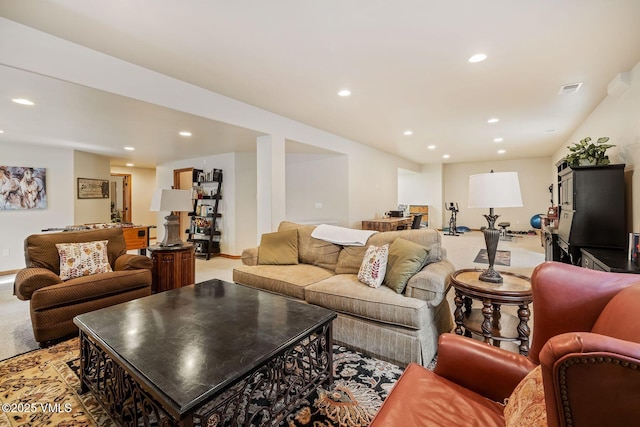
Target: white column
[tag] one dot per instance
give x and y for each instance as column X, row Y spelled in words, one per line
column 271, row 183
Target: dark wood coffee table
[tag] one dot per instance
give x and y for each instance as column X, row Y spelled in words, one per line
column 214, row 353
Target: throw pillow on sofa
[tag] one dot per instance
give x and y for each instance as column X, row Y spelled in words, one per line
column 405, row 259
column 278, row 248
column 374, row 266
column 83, row 259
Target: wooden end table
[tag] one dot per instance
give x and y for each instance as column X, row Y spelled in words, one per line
column 489, row 321
column 173, row 266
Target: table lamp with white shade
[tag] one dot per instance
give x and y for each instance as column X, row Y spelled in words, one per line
column 171, row 201
column 493, row 190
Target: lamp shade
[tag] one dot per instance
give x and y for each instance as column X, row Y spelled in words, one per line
column 494, row 190
column 171, row 201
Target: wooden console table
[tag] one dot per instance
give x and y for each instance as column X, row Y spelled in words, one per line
column 387, row 224
column 489, row 322
column 173, row 267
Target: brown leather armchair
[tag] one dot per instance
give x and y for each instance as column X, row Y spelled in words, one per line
column 54, row 302
column 586, row 336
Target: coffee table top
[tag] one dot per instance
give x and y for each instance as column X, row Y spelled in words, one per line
column 189, row 343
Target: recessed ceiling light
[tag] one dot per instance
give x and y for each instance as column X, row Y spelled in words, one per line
column 22, row 101
column 185, row 133
column 478, row 57
column 344, row 92
column 502, row 151
column 446, row 156
column 498, row 139
column 1, row 131
column 493, row 120
column 129, row 148
column 408, row 132
column 130, row 164
column 431, row 147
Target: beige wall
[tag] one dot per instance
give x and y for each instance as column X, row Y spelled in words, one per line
column 618, row 117
column 87, row 211
column 534, row 187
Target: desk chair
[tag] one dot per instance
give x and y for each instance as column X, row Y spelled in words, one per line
column 417, row 220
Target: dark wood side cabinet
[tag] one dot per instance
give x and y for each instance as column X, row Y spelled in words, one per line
column 173, row 267
column 611, row 260
column 592, row 199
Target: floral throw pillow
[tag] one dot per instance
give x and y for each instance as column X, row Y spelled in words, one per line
column 374, row 266
column 525, row 406
column 83, row 259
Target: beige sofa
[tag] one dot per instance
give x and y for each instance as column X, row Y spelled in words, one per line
column 400, row 328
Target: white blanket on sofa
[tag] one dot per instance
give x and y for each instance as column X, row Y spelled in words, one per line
column 341, row 235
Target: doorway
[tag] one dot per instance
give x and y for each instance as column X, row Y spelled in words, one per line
column 120, row 197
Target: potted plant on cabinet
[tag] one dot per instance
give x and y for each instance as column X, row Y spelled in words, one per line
column 587, row 153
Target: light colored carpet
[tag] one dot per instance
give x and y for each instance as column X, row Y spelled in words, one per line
column 16, row 336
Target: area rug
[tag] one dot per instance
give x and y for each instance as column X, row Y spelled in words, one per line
column 502, row 257
column 40, row 388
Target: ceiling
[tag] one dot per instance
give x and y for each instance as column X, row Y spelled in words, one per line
column 405, row 63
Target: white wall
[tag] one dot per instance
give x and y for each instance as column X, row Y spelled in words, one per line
column 87, row 211
column 246, row 203
column 618, row 117
column 16, row 225
column 226, row 224
column 534, row 187
column 423, row 188
column 143, row 182
column 317, row 180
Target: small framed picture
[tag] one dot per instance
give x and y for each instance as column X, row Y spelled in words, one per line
column 89, row 188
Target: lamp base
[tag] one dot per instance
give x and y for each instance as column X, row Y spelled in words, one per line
column 171, row 231
column 491, row 237
column 490, row 275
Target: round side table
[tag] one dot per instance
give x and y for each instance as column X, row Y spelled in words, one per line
column 489, row 321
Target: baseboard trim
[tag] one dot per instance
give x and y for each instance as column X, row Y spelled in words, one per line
column 230, row 256
column 8, row 272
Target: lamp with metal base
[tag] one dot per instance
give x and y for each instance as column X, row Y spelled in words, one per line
column 173, row 201
column 493, row 190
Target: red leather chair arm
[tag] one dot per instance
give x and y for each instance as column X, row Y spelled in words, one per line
column 29, row 280
column 133, row 262
column 591, row 379
column 487, row 370
column 568, row 298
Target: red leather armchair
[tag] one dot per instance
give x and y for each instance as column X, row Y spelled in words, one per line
column 586, row 337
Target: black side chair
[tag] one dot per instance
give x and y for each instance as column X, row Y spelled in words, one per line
column 417, row 220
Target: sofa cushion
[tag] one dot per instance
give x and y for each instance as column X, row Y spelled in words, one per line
column 351, row 256
column 405, row 259
column 311, row 250
column 374, row 266
column 290, row 280
column 83, row 259
column 88, row 288
column 346, row 294
column 526, row 405
column 279, row 248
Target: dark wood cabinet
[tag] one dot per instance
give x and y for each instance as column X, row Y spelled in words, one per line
column 592, row 202
column 611, row 260
column 173, row 267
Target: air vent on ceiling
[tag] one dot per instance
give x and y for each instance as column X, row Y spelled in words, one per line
column 570, row 88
